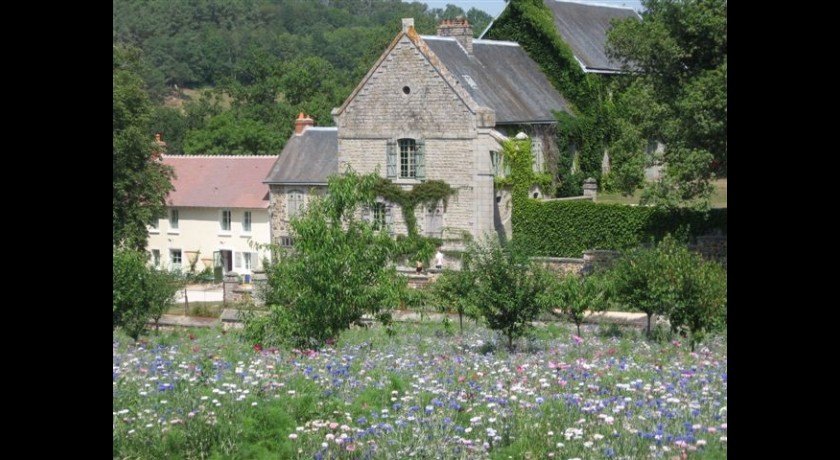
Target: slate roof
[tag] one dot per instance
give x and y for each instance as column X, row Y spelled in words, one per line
column 306, row 159
column 500, row 75
column 207, row 181
column 584, row 28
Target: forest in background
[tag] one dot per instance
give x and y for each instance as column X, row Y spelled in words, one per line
column 229, row 77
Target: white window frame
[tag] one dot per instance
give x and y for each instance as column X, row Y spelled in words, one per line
column 154, row 227
column 176, row 265
column 155, row 258
column 222, row 221
column 247, row 222
column 434, row 213
column 174, row 221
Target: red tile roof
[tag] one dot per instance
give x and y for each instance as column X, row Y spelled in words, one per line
column 219, row 181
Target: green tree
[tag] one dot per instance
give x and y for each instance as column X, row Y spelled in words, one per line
column 140, row 292
column 337, row 271
column 639, row 279
column 455, row 289
column 507, row 287
column 678, row 55
column 141, row 182
column 573, row 295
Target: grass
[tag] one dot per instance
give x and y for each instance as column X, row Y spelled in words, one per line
column 718, row 199
column 424, row 393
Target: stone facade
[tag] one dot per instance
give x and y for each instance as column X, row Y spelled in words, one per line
column 407, row 97
column 279, row 196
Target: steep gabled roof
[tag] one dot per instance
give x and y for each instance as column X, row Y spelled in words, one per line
column 206, row 181
column 500, row 75
column 584, row 28
column 307, row 159
column 409, row 32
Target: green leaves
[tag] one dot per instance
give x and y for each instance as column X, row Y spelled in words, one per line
column 337, row 271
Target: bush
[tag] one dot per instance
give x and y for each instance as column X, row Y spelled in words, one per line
column 573, row 295
column 671, row 280
column 337, row 272
column 140, row 293
column 506, row 287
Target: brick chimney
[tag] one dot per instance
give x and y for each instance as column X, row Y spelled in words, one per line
column 459, row 28
column 302, row 122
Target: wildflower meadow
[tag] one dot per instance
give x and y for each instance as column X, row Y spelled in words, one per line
column 423, row 392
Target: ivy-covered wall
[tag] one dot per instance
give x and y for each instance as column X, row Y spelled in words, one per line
column 566, row 228
column 591, row 127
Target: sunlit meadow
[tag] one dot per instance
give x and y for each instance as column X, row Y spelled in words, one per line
column 422, row 393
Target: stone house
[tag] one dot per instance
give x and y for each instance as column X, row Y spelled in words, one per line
column 216, row 216
column 430, row 108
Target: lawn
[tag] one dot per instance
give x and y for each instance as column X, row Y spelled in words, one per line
column 424, row 392
column 718, row 199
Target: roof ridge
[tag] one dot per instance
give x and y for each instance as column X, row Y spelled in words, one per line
column 221, row 156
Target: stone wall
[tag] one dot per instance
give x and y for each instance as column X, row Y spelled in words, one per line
column 235, row 293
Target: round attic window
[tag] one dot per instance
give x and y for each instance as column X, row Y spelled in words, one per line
column 406, row 90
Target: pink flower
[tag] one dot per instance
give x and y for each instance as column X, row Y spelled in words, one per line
column 333, row 425
column 351, row 447
column 577, row 339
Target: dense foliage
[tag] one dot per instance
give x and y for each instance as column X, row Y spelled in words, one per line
column 670, row 280
column 506, row 288
column 272, row 58
column 337, row 271
column 141, row 293
column 678, row 55
column 567, row 228
column 141, row 182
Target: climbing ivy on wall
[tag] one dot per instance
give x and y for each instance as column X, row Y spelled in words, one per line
column 562, row 228
column 591, row 126
column 428, row 193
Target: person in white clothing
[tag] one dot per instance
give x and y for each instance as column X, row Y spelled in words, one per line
column 439, row 259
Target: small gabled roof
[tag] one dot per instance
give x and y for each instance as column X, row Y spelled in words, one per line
column 307, row 159
column 584, row 28
column 500, row 75
column 223, row 181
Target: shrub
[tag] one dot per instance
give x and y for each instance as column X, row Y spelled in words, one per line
column 140, row 292
column 337, row 272
column 573, row 295
column 506, row 287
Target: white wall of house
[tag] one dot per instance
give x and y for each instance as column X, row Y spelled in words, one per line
column 200, row 229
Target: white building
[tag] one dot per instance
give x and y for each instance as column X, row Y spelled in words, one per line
column 217, row 214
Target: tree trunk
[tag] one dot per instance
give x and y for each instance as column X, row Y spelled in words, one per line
column 461, row 322
column 578, row 328
column 649, row 315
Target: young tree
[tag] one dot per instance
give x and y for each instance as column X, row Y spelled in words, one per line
column 455, row 288
column 141, row 183
column 140, row 292
column 507, row 287
column 678, row 53
column 639, row 280
column 337, row 271
column 574, row 295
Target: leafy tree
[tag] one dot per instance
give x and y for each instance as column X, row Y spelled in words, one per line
column 140, row 292
column 671, row 280
column 507, row 287
column 337, row 272
column 455, row 289
column 141, row 183
column 574, row 295
column 230, row 133
column 678, row 53
column 639, row 281
column 697, row 289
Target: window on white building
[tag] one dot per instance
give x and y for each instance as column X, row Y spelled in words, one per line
column 246, row 222
column 156, row 258
column 225, row 222
column 434, row 221
column 173, row 219
column 175, row 259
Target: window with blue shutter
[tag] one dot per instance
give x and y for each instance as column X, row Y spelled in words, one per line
column 391, row 154
column 420, row 159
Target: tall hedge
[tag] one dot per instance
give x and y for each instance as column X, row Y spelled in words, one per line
column 567, row 228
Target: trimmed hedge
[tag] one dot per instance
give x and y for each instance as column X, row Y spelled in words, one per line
column 567, row 228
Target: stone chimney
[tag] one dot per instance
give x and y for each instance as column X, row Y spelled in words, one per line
column 406, row 23
column 459, row 28
column 302, row 122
